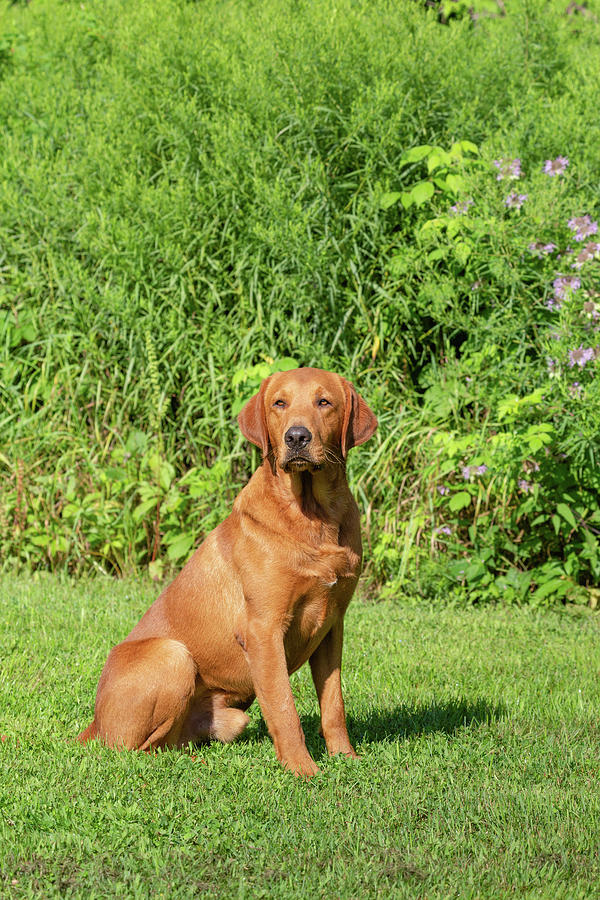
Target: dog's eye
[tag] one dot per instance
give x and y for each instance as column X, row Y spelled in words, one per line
column 323, row 402
column 280, row 404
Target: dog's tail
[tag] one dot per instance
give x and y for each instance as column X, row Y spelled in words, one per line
column 89, row 734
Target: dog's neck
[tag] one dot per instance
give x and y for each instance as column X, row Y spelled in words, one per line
column 321, row 495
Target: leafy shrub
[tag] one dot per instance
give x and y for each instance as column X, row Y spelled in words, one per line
column 191, row 192
column 510, row 462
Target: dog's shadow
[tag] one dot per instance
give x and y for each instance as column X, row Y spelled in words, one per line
column 403, row 721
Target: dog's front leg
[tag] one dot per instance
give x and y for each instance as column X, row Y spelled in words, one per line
column 325, row 665
column 268, row 666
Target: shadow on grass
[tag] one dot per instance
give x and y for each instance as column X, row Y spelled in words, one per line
column 402, row 721
column 405, row 721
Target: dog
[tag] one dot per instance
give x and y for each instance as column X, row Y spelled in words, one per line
column 266, row 591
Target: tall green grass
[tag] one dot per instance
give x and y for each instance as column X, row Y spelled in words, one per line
column 188, row 190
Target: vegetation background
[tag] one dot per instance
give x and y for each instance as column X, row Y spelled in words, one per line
column 195, row 194
column 191, row 196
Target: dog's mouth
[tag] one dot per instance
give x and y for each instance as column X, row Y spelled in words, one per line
column 300, row 463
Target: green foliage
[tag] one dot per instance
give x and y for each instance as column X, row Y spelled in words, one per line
column 510, row 463
column 195, row 194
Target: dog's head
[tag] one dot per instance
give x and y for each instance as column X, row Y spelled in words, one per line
column 306, row 419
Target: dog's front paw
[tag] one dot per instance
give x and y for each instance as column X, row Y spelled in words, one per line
column 302, row 767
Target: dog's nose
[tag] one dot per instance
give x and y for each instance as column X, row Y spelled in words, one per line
column 297, row 437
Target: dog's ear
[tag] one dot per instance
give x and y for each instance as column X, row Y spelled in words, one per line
column 359, row 421
column 253, row 421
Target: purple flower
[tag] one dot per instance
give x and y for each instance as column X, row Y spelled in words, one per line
column 556, row 166
column 554, row 304
column 551, row 363
column 575, row 389
column 580, row 356
column 590, row 251
column 539, row 249
column 442, row 489
column 462, row 207
column 469, row 471
column 590, row 309
column 515, row 201
column 443, row 529
column 583, row 227
column 508, row 168
column 564, row 284
column 525, row 486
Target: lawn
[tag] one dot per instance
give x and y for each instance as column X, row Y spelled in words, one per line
column 479, row 741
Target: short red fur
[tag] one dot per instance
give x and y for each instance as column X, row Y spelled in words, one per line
column 266, row 591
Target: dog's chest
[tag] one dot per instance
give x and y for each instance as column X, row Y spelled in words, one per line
column 322, row 601
column 311, row 620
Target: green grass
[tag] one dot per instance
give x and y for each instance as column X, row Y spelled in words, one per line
column 479, row 740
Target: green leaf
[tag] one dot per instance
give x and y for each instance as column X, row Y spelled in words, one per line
column 59, row 545
column 437, row 159
column 453, row 228
column 166, row 474
column 556, row 523
column 475, row 571
column 422, row 192
column 460, row 147
column 563, row 510
column 455, row 183
column 284, row 364
column 415, row 154
column 181, row 546
column 114, row 474
column 142, row 508
column 442, row 253
column 557, row 586
column 137, row 440
column 462, row 251
column 539, row 519
column 155, row 569
column 459, row 500
column 436, row 225
column 406, row 199
column 70, row 510
column 387, row 200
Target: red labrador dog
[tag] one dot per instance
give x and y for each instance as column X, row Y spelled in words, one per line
column 266, row 591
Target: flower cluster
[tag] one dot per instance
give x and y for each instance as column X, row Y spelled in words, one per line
column 590, row 251
column 461, row 207
column 591, row 310
column 508, row 168
column 469, row 471
column 583, row 227
column 515, row 201
column 581, row 356
column 564, row 286
column 556, row 166
column 537, row 248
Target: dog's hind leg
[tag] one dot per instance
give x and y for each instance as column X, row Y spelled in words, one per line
column 210, row 719
column 144, row 694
